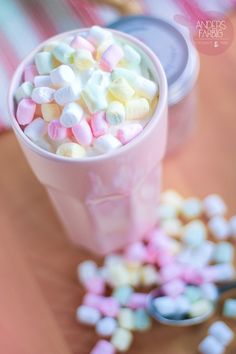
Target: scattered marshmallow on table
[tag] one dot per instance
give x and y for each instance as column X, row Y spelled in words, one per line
column 229, row 308
column 106, row 326
column 88, row 315
column 210, row 345
column 191, row 208
column 213, row 205
column 219, row 227
column 221, row 332
column 224, row 252
column 122, row 339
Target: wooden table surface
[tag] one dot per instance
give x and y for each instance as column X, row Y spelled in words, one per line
column 39, row 291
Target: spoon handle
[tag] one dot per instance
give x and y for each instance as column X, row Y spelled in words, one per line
column 229, row 286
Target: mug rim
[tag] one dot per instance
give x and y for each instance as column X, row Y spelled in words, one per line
column 156, row 116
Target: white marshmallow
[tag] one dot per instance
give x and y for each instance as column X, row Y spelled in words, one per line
column 42, row 95
column 210, row 345
column 42, row 81
column 24, row 91
column 115, row 113
column 87, row 315
column 72, row 114
column 191, row 208
column 131, row 55
column 101, row 78
column 219, row 227
column 97, row 35
column 86, row 270
column 68, row 93
column 194, row 233
column 221, row 332
column 166, row 211
column 172, row 198
column 210, row 291
column 182, row 305
column 106, row 326
column 62, row 75
column 165, row 305
column 106, row 143
column 36, row 129
column 214, row 205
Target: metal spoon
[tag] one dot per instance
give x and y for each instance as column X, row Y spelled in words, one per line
column 188, row 321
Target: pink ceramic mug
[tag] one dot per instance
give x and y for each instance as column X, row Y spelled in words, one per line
column 106, row 201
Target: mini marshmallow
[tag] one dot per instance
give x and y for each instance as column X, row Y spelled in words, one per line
column 42, row 81
column 126, row 319
column 87, row 315
column 136, row 252
column 213, row 205
column 210, row 345
column 203, row 254
column 232, row 226
column 113, row 259
column 224, row 252
column 122, row 339
column 191, row 208
column 106, row 326
column 43, row 95
column 149, row 275
column 121, row 89
column 115, row 113
column 182, row 305
column 166, row 211
column 173, row 227
column 103, row 347
column 62, row 75
column 171, row 197
column 137, row 108
column 221, row 332
column 134, row 274
column 123, row 294
column 219, row 272
column 97, row 35
column 193, row 293
column 200, row 308
column 24, row 91
column 99, row 124
column 50, row 111
column 72, row 115
column 171, row 271
column 111, row 57
column 56, row 131
column 82, row 133
column 137, row 301
column 194, row 233
column 219, row 227
column 109, row 307
column 71, row 150
column 142, row 321
column 86, row 270
column 92, row 300
column 30, row 72
column 210, row 291
column 100, row 78
column 165, row 305
column 63, row 52
column 25, row 111
column 95, row 285
column 173, row 288
column 80, row 42
column 118, row 275
column 94, row 98
column 106, row 143
column 229, row 308
column 36, row 129
column 128, row 132
column 131, row 55
column 68, row 94
column 83, row 59
column 44, row 63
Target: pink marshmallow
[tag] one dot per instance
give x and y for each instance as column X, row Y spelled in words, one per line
column 30, row 72
column 95, row 285
column 136, row 252
column 25, row 111
column 103, row 347
column 92, row 300
column 137, row 301
column 111, row 57
column 99, row 124
column 193, row 276
column 164, row 257
column 82, row 132
column 170, row 272
column 109, row 306
column 173, row 288
column 79, row 42
column 128, row 132
column 56, row 131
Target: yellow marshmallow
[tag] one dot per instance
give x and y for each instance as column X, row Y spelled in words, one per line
column 102, row 47
column 50, row 111
column 83, row 59
column 137, row 108
column 71, row 150
column 121, row 89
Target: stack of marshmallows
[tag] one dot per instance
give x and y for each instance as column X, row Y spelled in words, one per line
column 86, row 94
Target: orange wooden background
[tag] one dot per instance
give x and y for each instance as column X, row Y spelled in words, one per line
column 39, row 291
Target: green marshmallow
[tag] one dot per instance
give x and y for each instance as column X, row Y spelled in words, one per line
column 44, row 62
column 193, row 293
column 229, row 309
column 24, row 91
column 122, row 294
column 63, row 52
column 141, row 320
column 224, row 252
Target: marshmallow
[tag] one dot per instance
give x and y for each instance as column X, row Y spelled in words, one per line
column 25, row 111
column 87, row 315
column 72, row 115
column 103, row 347
column 82, row 133
column 36, row 129
column 97, row 35
column 165, row 305
column 126, row 319
column 121, row 89
column 92, row 300
column 213, row 205
column 63, row 52
column 42, row 80
column 131, row 55
column 173, row 288
column 118, row 274
column 111, row 57
column 136, row 252
column 210, row 345
column 94, row 98
column 68, row 94
column 109, row 307
column 138, row 301
column 115, row 113
column 101, row 78
column 194, row 233
column 128, row 132
column 221, row 332
column 210, row 291
column 229, row 309
column 71, row 150
column 62, row 75
column 106, row 143
column 43, row 95
column 106, row 326
column 219, row 272
column 101, row 48
column 166, row 211
column 137, row 108
column 122, row 339
column 56, row 131
column 200, row 308
column 142, row 321
column 50, row 111
column 30, row 72
column 219, row 227
column 99, row 124
column 172, row 198
column 191, row 208
column 24, row 91
column 44, row 63
column 80, row 42
column 224, row 252
column 173, row 227
column 95, row 285
column 83, row 59
column 123, row 294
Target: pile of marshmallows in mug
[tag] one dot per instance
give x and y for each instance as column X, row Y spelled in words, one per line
column 86, row 95
column 178, row 258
